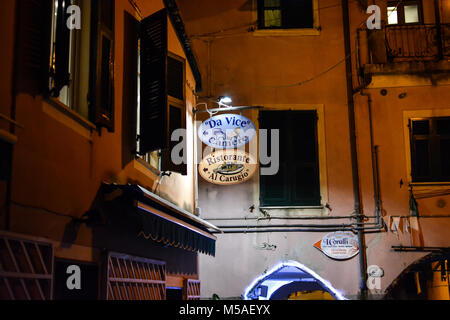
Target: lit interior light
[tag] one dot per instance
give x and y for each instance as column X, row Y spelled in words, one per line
column 298, row 265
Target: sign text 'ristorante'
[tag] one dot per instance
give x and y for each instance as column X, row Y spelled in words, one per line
column 228, row 167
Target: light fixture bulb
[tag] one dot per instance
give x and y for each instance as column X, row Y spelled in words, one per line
column 225, row 100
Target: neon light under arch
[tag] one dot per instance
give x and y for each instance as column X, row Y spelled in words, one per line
column 302, row 267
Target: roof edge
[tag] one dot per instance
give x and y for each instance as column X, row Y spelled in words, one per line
column 180, row 30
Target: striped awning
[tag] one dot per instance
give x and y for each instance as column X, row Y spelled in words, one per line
column 163, row 222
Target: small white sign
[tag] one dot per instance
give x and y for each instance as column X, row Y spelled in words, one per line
column 339, row 245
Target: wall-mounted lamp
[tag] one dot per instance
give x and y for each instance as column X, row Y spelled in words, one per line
column 225, row 100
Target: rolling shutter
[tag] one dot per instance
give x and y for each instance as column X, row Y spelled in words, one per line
column 154, row 107
column 33, row 46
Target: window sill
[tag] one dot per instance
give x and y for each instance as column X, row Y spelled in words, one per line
column 68, row 117
column 429, row 184
column 292, row 207
column 145, row 167
column 287, row 32
column 297, row 211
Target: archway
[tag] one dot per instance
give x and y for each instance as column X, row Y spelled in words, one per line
column 426, row 279
column 291, row 280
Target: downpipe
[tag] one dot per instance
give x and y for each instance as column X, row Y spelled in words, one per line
column 353, row 149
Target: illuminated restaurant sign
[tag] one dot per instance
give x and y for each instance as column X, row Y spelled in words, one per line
column 227, row 167
column 339, row 245
column 227, row 131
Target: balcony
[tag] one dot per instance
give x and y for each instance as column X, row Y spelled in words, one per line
column 420, row 51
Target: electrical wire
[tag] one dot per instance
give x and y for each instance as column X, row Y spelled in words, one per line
column 332, row 67
column 315, row 77
column 252, row 24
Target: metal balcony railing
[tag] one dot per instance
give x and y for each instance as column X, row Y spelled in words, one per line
column 405, row 43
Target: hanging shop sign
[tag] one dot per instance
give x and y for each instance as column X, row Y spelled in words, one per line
column 227, row 131
column 228, row 167
column 339, row 245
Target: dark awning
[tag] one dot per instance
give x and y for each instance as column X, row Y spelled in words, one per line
column 161, row 221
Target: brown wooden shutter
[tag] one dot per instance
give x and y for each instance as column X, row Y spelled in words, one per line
column 130, row 76
column 154, row 107
column 34, row 21
column 26, row 268
column 177, row 120
column 102, row 89
column 60, row 74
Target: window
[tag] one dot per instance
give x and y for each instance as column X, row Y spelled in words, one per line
column 404, row 12
column 430, row 149
column 297, row 182
column 82, row 60
column 154, row 93
column 285, row 14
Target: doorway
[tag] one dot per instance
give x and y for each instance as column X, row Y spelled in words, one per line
column 291, row 281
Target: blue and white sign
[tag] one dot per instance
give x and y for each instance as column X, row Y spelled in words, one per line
column 227, row 131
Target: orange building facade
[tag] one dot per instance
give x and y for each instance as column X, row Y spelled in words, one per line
column 78, row 157
column 263, row 55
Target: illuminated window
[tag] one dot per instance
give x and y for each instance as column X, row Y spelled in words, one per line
column 285, row 14
column 82, row 60
column 392, row 15
column 404, row 12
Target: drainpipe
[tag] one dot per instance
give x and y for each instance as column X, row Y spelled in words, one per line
column 439, row 29
column 353, row 149
column 374, row 153
column 13, row 123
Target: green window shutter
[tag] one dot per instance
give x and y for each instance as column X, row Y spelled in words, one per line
column 304, row 159
column 297, row 182
column 275, row 189
column 130, row 87
column 421, row 162
column 60, row 73
column 102, row 79
column 153, row 91
column 33, row 46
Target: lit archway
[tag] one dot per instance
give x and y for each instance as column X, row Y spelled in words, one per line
column 291, row 280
